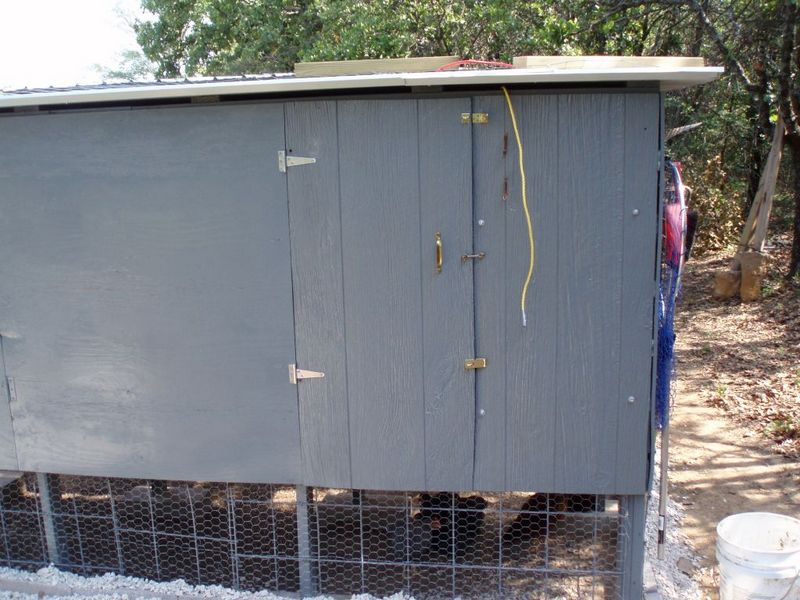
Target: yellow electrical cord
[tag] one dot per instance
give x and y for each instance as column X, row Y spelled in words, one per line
column 531, row 240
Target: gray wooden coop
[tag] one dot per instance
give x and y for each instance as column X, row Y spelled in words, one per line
column 182, row 261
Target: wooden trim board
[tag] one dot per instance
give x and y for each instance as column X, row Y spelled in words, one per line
column 371, row 66
column 605, row 62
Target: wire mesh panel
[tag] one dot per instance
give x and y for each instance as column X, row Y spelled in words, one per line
column 328, row 541
column 24, row 543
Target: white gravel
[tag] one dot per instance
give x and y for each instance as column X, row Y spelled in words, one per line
column 53, row 584
column 672, row 583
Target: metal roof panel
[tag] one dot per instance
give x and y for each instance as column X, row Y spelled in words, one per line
column 671, row 78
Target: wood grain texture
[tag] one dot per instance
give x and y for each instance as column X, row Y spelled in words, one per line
column 489, row 171
column 371, row 65
column 316, row 239
column 657, row 277
column 531, row 382
column 378, row 158
column 591, row 154
column 8, row 446
column 445, row 183
column 147, row 316
column 639, row 289
column 146, row 304
column 607, row 62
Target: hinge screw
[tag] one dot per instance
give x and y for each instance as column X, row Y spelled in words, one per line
column 635, row 212
column 631, row 399
column 482, row 412
column 481, row 222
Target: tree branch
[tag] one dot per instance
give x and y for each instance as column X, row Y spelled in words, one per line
column 788, row 101
column 727, row 54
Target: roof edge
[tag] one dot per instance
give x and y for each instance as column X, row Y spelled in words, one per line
column 669, row 79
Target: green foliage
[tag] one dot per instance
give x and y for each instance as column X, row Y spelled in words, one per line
column 718, row 198
column 188, row 37
column 785, row 429
column 467, row 28
column 714, row 158
column 208, row 37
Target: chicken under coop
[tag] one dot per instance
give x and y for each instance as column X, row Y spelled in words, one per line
column 359, row 541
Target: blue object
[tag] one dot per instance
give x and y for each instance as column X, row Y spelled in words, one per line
column 669, row 286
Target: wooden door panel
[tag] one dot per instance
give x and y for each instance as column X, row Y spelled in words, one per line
column 372, row 311
column 557, row 416
column 147, row 303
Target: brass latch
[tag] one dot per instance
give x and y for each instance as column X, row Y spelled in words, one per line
column 479, row 118
column 475, row 363
column 296, row 374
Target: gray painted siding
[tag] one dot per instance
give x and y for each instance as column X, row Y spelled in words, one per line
column 445, row 184
column 390, row 333
column 557, row 417
column 489, row 171
column 379, row 175
column 8, row 445
column 589, row 290
column 531, row 375
column 316, row 240
column 638, row 289
column 148, row 316
column 146, row 303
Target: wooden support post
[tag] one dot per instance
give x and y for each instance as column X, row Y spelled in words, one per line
column 766, row 188
column 752, row 276
column 663, row 489
column 46, row 504
column 633, row 560
column 733, row 280
column 727, row 282
column 304, row 500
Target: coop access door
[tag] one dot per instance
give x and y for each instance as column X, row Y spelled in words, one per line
column 565, row 400
column 146, row 307
column 383, row 300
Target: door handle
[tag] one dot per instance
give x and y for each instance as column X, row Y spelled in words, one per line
column 439, row 252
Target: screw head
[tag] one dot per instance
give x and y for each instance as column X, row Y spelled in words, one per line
column 635, row 212
column 482, row 412
column 481, row 222
column 631, row 399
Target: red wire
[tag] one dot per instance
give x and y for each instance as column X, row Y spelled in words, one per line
column 486, row 63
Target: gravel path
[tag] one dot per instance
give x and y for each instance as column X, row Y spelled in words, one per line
column 53, row 584
column 672, row 580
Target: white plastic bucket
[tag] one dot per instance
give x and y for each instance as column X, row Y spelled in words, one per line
column 759, row 557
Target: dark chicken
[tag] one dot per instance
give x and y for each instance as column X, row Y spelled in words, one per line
column 541, row 512
column 445, row 523
column 533, row 519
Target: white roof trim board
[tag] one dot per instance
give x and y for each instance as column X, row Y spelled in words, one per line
column 669, row 78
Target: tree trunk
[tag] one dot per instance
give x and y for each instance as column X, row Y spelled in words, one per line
column 759, row 112
column 794, row 261
column 789, row 103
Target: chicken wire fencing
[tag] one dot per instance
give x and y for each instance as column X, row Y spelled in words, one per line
column 311, row 541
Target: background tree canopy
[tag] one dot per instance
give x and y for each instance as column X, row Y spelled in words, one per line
column 754, row 39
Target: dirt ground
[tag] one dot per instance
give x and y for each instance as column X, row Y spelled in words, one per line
column 735, row 423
